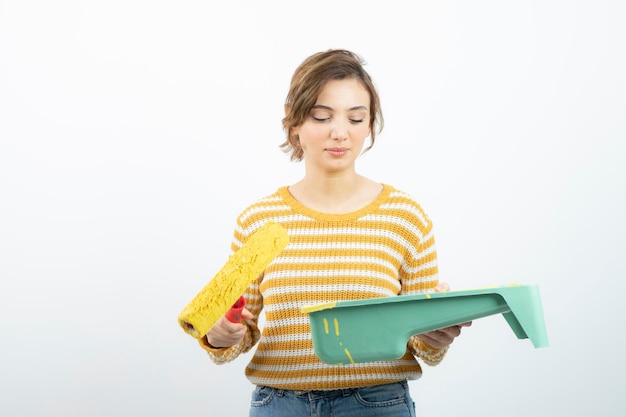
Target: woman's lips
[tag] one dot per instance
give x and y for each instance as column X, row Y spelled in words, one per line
column 337, row 151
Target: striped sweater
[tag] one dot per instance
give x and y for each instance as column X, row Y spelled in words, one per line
column 384, row 249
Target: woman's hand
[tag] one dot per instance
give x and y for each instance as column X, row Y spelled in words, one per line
column 225, row 333
column 442, row 338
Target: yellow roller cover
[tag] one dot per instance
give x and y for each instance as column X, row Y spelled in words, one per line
column 241, row 269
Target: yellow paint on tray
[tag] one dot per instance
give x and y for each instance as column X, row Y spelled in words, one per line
column 336, row 326
column 348, row 355
column 318, row 307
column 325, row 325
column 241, row 269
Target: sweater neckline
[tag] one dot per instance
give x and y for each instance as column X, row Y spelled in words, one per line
column 288, row 198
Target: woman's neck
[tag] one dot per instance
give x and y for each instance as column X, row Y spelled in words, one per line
column 336, row 195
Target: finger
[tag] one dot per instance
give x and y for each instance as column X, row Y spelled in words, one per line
column 224, row 327
column 226, row 333
column 430, row 340
column 436, row 339
column 442, row 287
column 246, row 315
column 447, row 334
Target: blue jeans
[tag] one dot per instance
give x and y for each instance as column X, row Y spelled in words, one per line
column 389, row 400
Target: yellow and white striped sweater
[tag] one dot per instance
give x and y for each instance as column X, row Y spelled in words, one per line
column 384, row 249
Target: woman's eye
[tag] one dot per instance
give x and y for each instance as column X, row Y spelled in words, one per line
column 356, row 120
column 320, row 119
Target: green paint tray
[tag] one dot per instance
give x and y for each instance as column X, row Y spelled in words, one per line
column 378, row 329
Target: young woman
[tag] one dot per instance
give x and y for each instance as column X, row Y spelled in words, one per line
column 350, row 238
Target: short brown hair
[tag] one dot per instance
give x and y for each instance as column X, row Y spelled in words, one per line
column 307, row 82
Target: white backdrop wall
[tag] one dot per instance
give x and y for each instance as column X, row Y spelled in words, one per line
column 133, row 132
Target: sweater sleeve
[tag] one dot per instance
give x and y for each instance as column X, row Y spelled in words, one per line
column 425, row 352
column 419, row 275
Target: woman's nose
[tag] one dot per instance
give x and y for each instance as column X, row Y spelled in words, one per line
column 339, row 131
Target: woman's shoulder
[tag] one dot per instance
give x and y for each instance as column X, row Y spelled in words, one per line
column 401, row 196
column 263, row 208
column 403, row 204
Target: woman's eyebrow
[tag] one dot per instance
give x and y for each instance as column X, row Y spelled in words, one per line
column 324, row 107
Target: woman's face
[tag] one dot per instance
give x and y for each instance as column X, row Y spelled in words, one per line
column 333, row 134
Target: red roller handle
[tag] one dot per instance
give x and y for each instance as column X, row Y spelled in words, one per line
column 234, row 313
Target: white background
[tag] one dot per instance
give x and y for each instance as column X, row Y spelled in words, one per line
column 133, row 132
